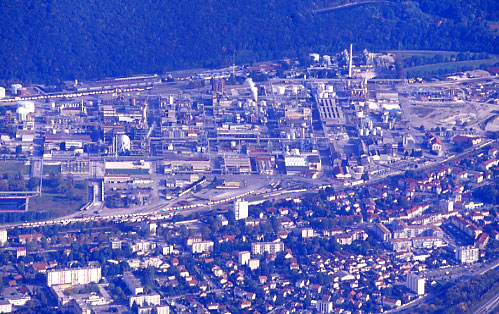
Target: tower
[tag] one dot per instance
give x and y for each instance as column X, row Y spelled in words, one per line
column 350, row 62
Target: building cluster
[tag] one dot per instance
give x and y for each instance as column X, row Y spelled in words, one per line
column 320, row 195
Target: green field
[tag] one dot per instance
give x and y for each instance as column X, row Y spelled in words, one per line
column 14, row 167
column 48, row 169
column 452, row 65
column 421, row 53
column 58, row 204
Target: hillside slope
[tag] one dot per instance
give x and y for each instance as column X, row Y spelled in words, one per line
column 52, row 40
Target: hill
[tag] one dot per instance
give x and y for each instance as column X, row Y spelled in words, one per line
column 52, row 40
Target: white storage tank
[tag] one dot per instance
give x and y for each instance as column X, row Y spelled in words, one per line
column 122, row 143
column 2, row 92
column 22, row 114
column 280, row 89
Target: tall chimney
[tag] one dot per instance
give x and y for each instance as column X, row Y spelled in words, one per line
column 350, row 62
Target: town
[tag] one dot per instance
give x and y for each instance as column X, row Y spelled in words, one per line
column 322, row 185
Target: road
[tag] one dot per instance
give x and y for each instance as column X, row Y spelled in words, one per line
column 348, row 5
column 164, row 210
column 489, row 306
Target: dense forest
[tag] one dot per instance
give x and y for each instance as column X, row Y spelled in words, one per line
column 47, row 41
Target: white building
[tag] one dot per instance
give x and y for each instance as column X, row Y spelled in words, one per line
column 133, row 283
column 447, row 205
column 15, row 89
column 5, row 306
column 145, row 299
column 324, row 306
column 254, row 263
column 240, row 209
column 244, row 257
column 307, row 233
column 269, row 247
column 160, row 309
column 203, row 246
column 467, row 254
column 415, row 283
column 74, row 276
column 2, row 92
column 3, row 236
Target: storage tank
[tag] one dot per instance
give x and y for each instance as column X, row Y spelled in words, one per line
column 122, row 143
column 2, row 92
column 22, row 114
column 281, row 89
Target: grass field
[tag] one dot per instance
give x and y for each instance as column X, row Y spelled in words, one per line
column 454, row 65
column 57, row 204
column 13, row 167
column 48, row 169
column 421, row 53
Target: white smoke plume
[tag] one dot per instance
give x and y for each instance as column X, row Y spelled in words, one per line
column 150, row 131
column 253, row 88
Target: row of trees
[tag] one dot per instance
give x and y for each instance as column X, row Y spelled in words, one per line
column 439, row 58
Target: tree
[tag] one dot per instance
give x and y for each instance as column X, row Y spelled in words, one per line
column 33, row 183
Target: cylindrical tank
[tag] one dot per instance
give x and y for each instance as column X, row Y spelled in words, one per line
column 22, row 114
column 281, row 89
column 122, row 143
column 2, row 92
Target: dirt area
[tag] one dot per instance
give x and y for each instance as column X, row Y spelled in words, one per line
column 463, row 114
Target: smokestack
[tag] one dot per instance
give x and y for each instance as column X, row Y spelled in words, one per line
column 253, row 88
column 350, row 62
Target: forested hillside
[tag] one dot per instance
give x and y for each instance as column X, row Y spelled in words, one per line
column 51, row 40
